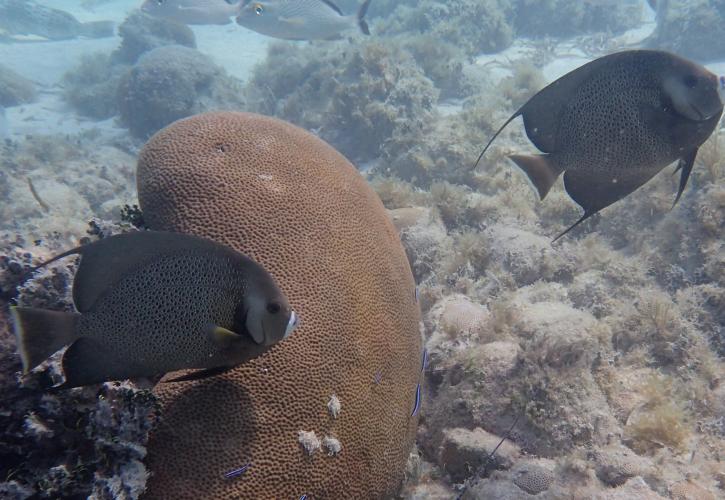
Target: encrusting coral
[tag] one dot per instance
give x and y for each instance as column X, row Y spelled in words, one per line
column 294, row 204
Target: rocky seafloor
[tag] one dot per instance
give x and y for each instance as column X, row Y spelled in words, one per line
column 599, row 359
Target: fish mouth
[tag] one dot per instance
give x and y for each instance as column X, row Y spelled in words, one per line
column 291, row 325
column 699, row 113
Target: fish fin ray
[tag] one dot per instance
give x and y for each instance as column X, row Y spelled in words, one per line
column 333, row 6
column 582, row 219
column 685, row 165
column 362, row 11
column 541, row 170
column 41, row 333
column 200, row 374
column 511, row 118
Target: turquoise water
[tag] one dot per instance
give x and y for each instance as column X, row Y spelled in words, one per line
column 587, row 368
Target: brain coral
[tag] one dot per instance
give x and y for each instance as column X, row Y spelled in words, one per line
column 294, row 204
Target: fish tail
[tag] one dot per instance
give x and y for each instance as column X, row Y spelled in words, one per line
column 361, row 17
column 541, row 170
column 40, row 333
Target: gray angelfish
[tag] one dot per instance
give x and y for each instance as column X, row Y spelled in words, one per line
column 300, row 19
column 153, row 302
column 614, row 123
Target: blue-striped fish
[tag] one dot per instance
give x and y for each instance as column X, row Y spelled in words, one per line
column 416, row 407
column 237, row 472
column 300, row 19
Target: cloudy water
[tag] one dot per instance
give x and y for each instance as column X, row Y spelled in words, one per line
column 398, row 249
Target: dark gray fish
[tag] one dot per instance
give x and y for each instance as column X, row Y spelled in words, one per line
column 26, row 20
column 300, row 19
column 614, row 123
column 153, row 302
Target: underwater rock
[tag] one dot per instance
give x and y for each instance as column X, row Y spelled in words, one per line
column 526, row 256
column 14, row 89
column 532, row 477
column 369, row 97
column 92, row 86
column 288, row 200
column 458, row 317
column 170, row 83
column 141, row 33
column 633, row 488
column 464, row 451
column 472, row 25
column 26, row 20
column 690, row 490
column 615, row 465
column 694, row 29
column 564, row 18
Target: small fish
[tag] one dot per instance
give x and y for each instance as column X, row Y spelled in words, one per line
column 378, row 377
column 152, row 302
column 193, row 11
column 303, row 497
column 300, row 19
column 424, row 364
column 237, row 472
column 416, row 407
column 417, row 295
column 614, row 123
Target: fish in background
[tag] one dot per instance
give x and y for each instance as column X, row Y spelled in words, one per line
column 301, row 19
column 614, row 123
column 193, row 11
column 25, row 20
column 4, row 127
column 152, row 302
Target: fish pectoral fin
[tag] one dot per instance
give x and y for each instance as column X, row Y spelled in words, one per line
column 685, row 166
column 540, row 169
column 222, row 336
column 292, row 21
column 200, row 374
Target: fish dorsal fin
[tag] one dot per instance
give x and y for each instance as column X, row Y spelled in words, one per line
column 542, row 113
column 105, row 262
column 332, row 6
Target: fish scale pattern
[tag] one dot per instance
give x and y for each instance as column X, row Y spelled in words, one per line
column 187, row 293
column 295, row 205
column 610, row 103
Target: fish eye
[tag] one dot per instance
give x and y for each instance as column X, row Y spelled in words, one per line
column 273, row 308
column 258, row 9
column 690, row 81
